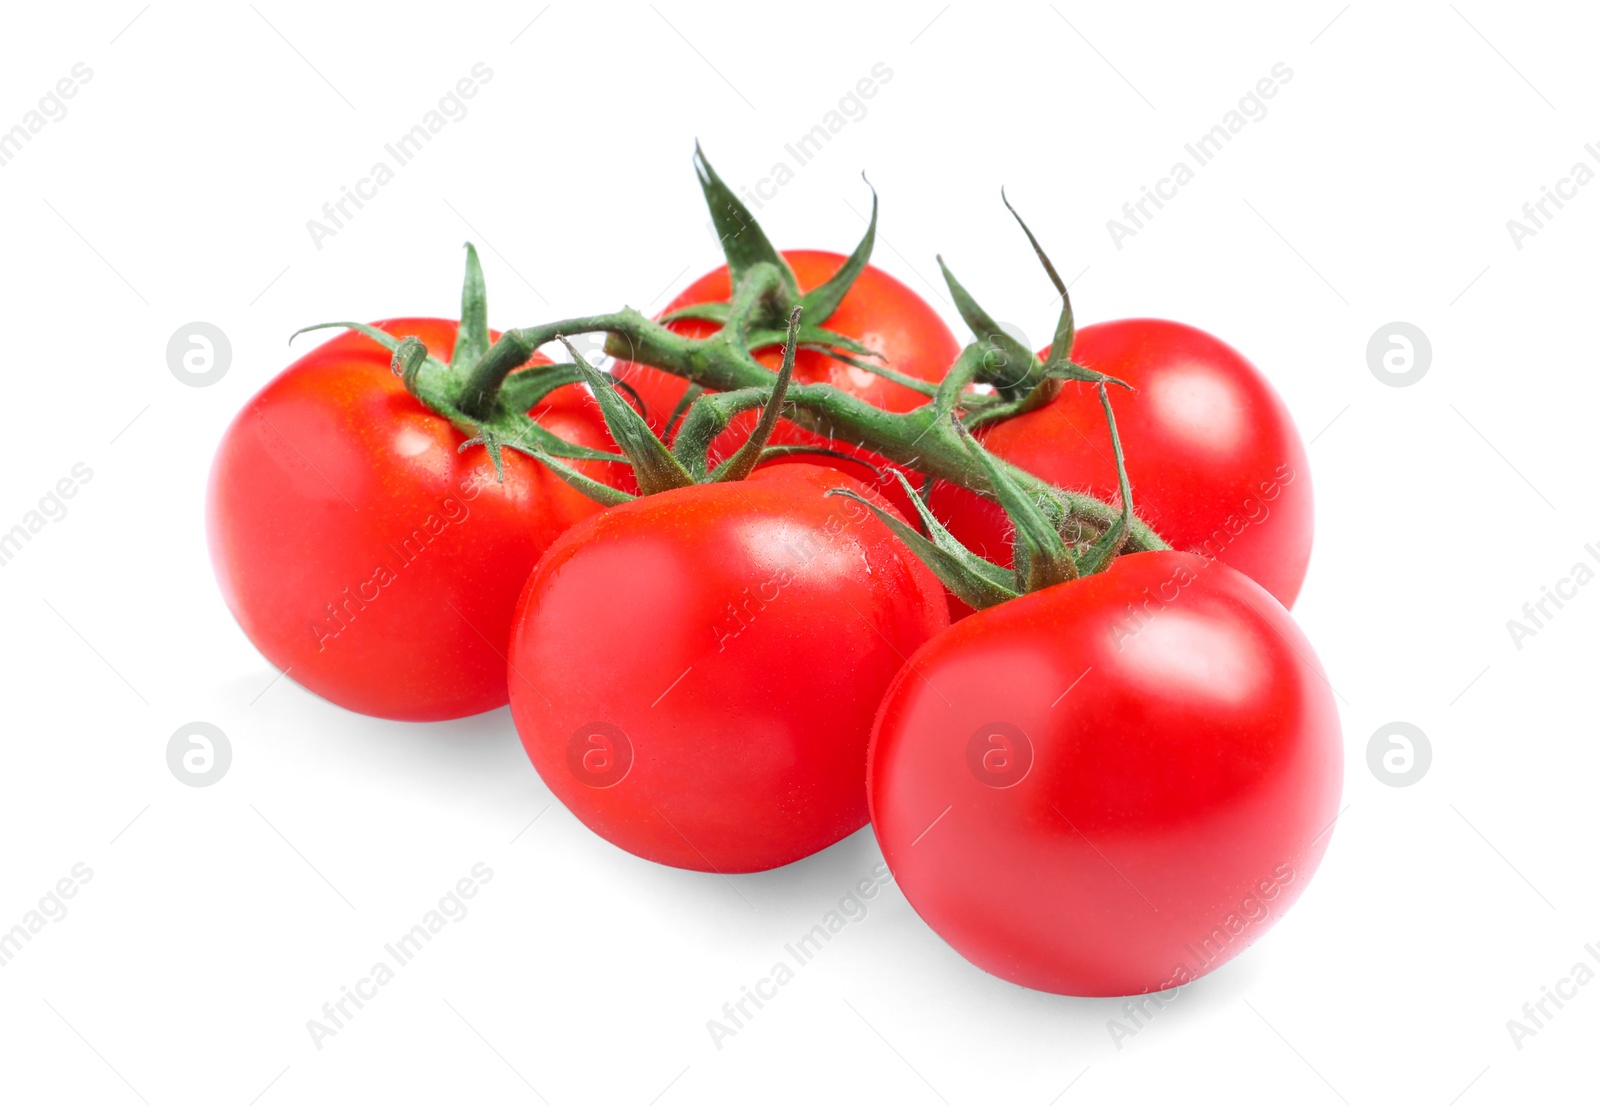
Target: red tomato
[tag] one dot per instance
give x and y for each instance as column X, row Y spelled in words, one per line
column 361, row 553
column 878, row 310
column 1111, row 786
column 694, row 674
column 1215, row 463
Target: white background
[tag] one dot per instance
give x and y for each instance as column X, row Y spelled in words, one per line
column 220, row 920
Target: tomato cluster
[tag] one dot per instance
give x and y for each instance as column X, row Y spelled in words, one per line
column 1103, row 763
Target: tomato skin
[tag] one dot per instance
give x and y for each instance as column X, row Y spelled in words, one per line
column 1182, row 752
column 695, row 674
column 878, row 310
column 1213, row 457
column 361, row 553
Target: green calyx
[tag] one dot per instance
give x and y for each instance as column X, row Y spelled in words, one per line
column 658, row 467
column 448, row 387
column 1041, row 558
column 746, row 246
column 976, row 581
column 743, row 241
column 1022, row 382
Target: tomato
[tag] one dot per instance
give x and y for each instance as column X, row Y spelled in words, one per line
column 694, row 674
column 361, row 553
column 878, row 310
column 1110, row 786
column 1214, row 459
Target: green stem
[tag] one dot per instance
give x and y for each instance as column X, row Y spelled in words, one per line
column 480, row 394
column 923, row 439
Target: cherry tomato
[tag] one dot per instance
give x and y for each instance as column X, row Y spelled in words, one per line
column 878, row 310
column 1214, row 459
column 694, row 674
column 1111, row 786
column 361, row 553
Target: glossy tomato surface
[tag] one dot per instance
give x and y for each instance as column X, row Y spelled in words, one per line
column 1214, row 460
column 366, row 557
column 695, row 674
column 1112, row 786
column 878, row 310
